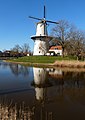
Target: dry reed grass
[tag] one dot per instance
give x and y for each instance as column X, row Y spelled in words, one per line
column 70, row 64
column 12, row 113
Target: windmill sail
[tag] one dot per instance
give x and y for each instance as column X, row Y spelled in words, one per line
column 44, row 13
column 43, row 20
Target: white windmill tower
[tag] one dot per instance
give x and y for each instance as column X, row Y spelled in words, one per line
column 41, row 38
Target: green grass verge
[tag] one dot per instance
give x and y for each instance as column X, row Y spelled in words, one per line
column 41, row 59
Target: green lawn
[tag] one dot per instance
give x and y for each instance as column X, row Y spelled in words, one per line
column 41, row 59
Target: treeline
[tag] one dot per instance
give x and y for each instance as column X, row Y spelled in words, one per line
column 70, row 37
column 17, row 51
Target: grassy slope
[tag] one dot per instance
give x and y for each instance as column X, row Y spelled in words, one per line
column 41, row 59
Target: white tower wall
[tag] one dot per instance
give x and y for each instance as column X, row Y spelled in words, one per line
column 41, row 29
column 41, row 44
column 40, row 47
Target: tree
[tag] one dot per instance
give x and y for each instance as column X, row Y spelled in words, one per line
column 15, row 51
column 61, row 33
column 25, row 48
column 71, row 39
column 17, row 48
column 76, row 42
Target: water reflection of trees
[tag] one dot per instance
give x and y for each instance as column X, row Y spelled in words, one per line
column 49, row 82
column 69, row 79
column 3, row 64
column 58, row 77
column 19, row 69
column 16, row 69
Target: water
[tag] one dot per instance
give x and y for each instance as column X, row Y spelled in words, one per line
column 30, row 93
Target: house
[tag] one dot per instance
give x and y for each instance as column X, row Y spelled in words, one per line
column 0, row 53
column 55, row 50
column 6, row 53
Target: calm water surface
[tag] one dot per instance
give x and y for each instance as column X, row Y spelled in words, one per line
column 30, row 93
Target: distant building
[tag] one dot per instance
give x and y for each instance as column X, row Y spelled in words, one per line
column 0, row 53
column 6, row 53
column 55, row 50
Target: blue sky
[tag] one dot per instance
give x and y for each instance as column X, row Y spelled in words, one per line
column 16, row 27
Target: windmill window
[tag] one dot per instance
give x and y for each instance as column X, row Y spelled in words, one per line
column 39, row 51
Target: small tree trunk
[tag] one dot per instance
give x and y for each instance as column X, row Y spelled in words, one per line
column 63, row 51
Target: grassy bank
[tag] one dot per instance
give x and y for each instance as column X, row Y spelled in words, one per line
column 41, row 59
column 49, row 61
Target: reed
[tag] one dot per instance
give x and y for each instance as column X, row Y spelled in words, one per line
column 70, row 64
column 15, row 113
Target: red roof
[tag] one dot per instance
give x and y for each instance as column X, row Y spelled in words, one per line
column 55, row 47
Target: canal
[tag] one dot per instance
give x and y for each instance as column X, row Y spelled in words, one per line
column 32, row 93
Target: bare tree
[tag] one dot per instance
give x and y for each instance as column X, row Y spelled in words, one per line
column 76, row 43
column 71, row 39
column 25, row 48
column 15, row 51
column 16, row 48
column 61, row 32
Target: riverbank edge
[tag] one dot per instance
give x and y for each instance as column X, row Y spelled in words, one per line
column 61, row 64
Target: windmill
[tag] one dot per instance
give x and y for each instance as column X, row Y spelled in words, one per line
column 41, row 38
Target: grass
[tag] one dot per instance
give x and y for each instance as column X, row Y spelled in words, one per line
column 55, row 61
column 41, row 59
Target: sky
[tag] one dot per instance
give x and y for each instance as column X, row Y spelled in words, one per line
column 16, row 27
